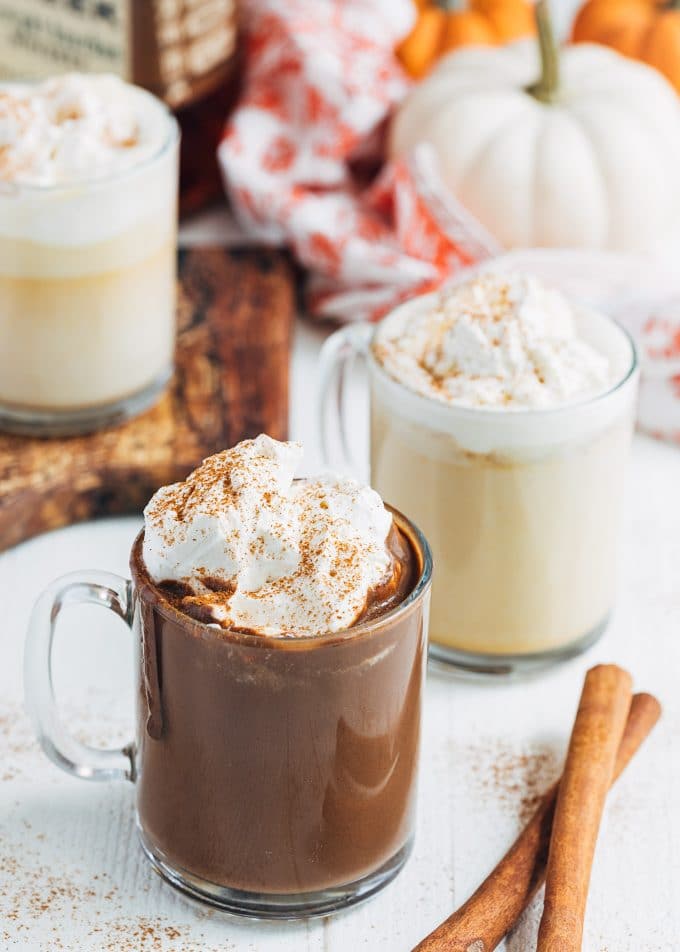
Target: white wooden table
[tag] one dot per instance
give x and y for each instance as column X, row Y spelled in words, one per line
column 73, row 877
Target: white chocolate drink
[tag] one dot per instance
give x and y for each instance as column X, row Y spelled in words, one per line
column 88, row 222
column 501, row 422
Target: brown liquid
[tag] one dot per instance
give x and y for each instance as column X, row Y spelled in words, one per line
column 278, row 765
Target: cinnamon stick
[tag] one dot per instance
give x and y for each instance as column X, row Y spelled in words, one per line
column 588, row 772
column 489, row 914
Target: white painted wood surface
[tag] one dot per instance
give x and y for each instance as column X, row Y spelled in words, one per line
column 73, row 877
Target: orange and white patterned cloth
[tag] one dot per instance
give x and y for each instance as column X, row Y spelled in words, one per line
column 320, row 82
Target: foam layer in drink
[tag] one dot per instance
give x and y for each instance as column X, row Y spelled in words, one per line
column 76, row 128
column 511, row 432
column 243, row 545
column 62, row 145
column 496, row 341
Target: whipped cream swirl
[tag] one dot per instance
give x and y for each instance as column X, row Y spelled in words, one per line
column 76, row 128
column 267, row 553
column 497, row 341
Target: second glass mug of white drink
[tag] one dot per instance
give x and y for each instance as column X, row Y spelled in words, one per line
column 522, row 507
column 88, row 238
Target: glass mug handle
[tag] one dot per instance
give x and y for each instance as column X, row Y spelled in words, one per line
column 338, row 355
column 77, row 588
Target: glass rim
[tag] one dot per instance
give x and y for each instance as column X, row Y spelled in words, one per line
column 296, row 642
column 518, row 413
column 10, row 189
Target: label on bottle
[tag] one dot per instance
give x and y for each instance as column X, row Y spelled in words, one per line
column 43, row 37
column 194, row 41
column 179, row 49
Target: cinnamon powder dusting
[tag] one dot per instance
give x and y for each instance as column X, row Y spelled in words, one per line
column 243, row 545
column 54, row 899
column 516, row 779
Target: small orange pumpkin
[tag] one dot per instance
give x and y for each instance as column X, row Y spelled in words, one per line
column 647, row 30
column 442, row 26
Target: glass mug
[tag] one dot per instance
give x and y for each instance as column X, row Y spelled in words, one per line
column 275, row 777
column 87, row 294
column 522, row 508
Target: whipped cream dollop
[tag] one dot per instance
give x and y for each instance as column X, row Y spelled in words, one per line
column 497, row 341
column 75, row 128
column 264, row 552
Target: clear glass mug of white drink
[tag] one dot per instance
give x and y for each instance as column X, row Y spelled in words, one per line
column 505, row 433
column 88, row 237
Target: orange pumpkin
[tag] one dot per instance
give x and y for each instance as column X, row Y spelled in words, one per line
column 442, row 26
column 647, row 30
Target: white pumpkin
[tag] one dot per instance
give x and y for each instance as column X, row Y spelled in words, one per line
column 588, row 159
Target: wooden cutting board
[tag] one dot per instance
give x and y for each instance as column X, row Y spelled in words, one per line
column 235, row 318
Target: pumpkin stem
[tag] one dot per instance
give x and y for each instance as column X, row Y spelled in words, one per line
column 547, row 86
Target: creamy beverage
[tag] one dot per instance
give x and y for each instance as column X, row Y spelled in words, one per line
column 280, row 629
column 283, row 643
column 88, row 181
column 501, row 419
